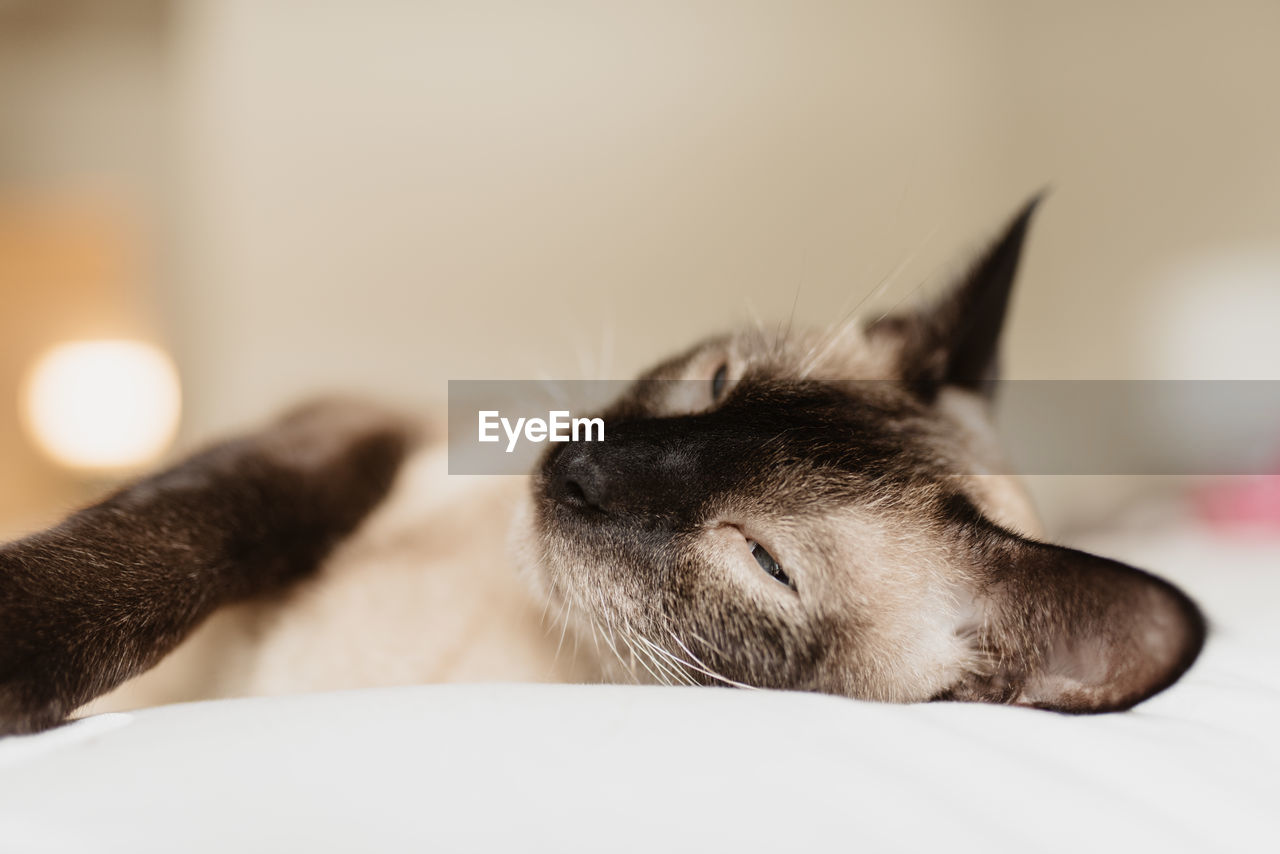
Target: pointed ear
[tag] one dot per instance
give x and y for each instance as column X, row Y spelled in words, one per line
column 1069, row 631
column 955, row 340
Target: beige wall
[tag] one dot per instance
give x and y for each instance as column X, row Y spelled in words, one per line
column 387, row 195
column 396, row 195
column 83, row 111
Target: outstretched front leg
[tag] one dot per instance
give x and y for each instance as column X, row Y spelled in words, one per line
column 108, row 592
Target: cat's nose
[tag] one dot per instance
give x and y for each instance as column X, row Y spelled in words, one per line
column 578, row 481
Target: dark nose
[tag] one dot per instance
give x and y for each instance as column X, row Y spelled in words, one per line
column 579, row 481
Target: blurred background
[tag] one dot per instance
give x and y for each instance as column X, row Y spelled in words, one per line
column 210, row 208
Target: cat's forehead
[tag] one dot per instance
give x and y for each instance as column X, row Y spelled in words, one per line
column 840, row 352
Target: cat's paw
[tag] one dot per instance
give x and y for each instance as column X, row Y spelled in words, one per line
column 43, row 678
column 322, row 433
column 339, row 457
column 24, row 711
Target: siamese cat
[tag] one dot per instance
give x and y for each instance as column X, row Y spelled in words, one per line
column 773, row 521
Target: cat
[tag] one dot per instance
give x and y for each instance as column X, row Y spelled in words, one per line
column 825, row 512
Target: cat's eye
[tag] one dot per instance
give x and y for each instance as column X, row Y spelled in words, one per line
column 719, row 380
column 769, row 565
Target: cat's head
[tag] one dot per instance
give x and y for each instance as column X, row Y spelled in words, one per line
column 829, row 512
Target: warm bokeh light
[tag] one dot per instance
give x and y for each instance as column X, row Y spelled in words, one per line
column 102, row 404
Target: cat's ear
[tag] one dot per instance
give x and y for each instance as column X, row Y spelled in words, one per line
column 955, row 340
column 1066, row 630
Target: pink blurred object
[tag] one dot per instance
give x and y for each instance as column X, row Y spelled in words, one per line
column 1252, row 502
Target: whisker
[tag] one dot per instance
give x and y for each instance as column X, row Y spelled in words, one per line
column 708, row 644
column 838, row 329
column 791, row 318
column 554, row 388
column 611, row 640
column 595, row 637
column 631, row 648
column 555, row 580
column 662, row 674
column 667, row 656
column 841, row 327
column 618, row 655
column 563, row 628
column 918, row 285
column 607, row 348
column 704, row 669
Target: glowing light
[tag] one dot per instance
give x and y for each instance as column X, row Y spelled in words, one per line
column 102, row 404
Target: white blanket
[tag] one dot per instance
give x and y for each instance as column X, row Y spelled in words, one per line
column 603, row 768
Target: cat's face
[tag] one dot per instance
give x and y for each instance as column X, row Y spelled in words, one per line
column 827, row 512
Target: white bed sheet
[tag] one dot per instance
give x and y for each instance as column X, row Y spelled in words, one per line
column 601, row 768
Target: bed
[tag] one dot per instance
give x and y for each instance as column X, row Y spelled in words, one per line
column 628, row 768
